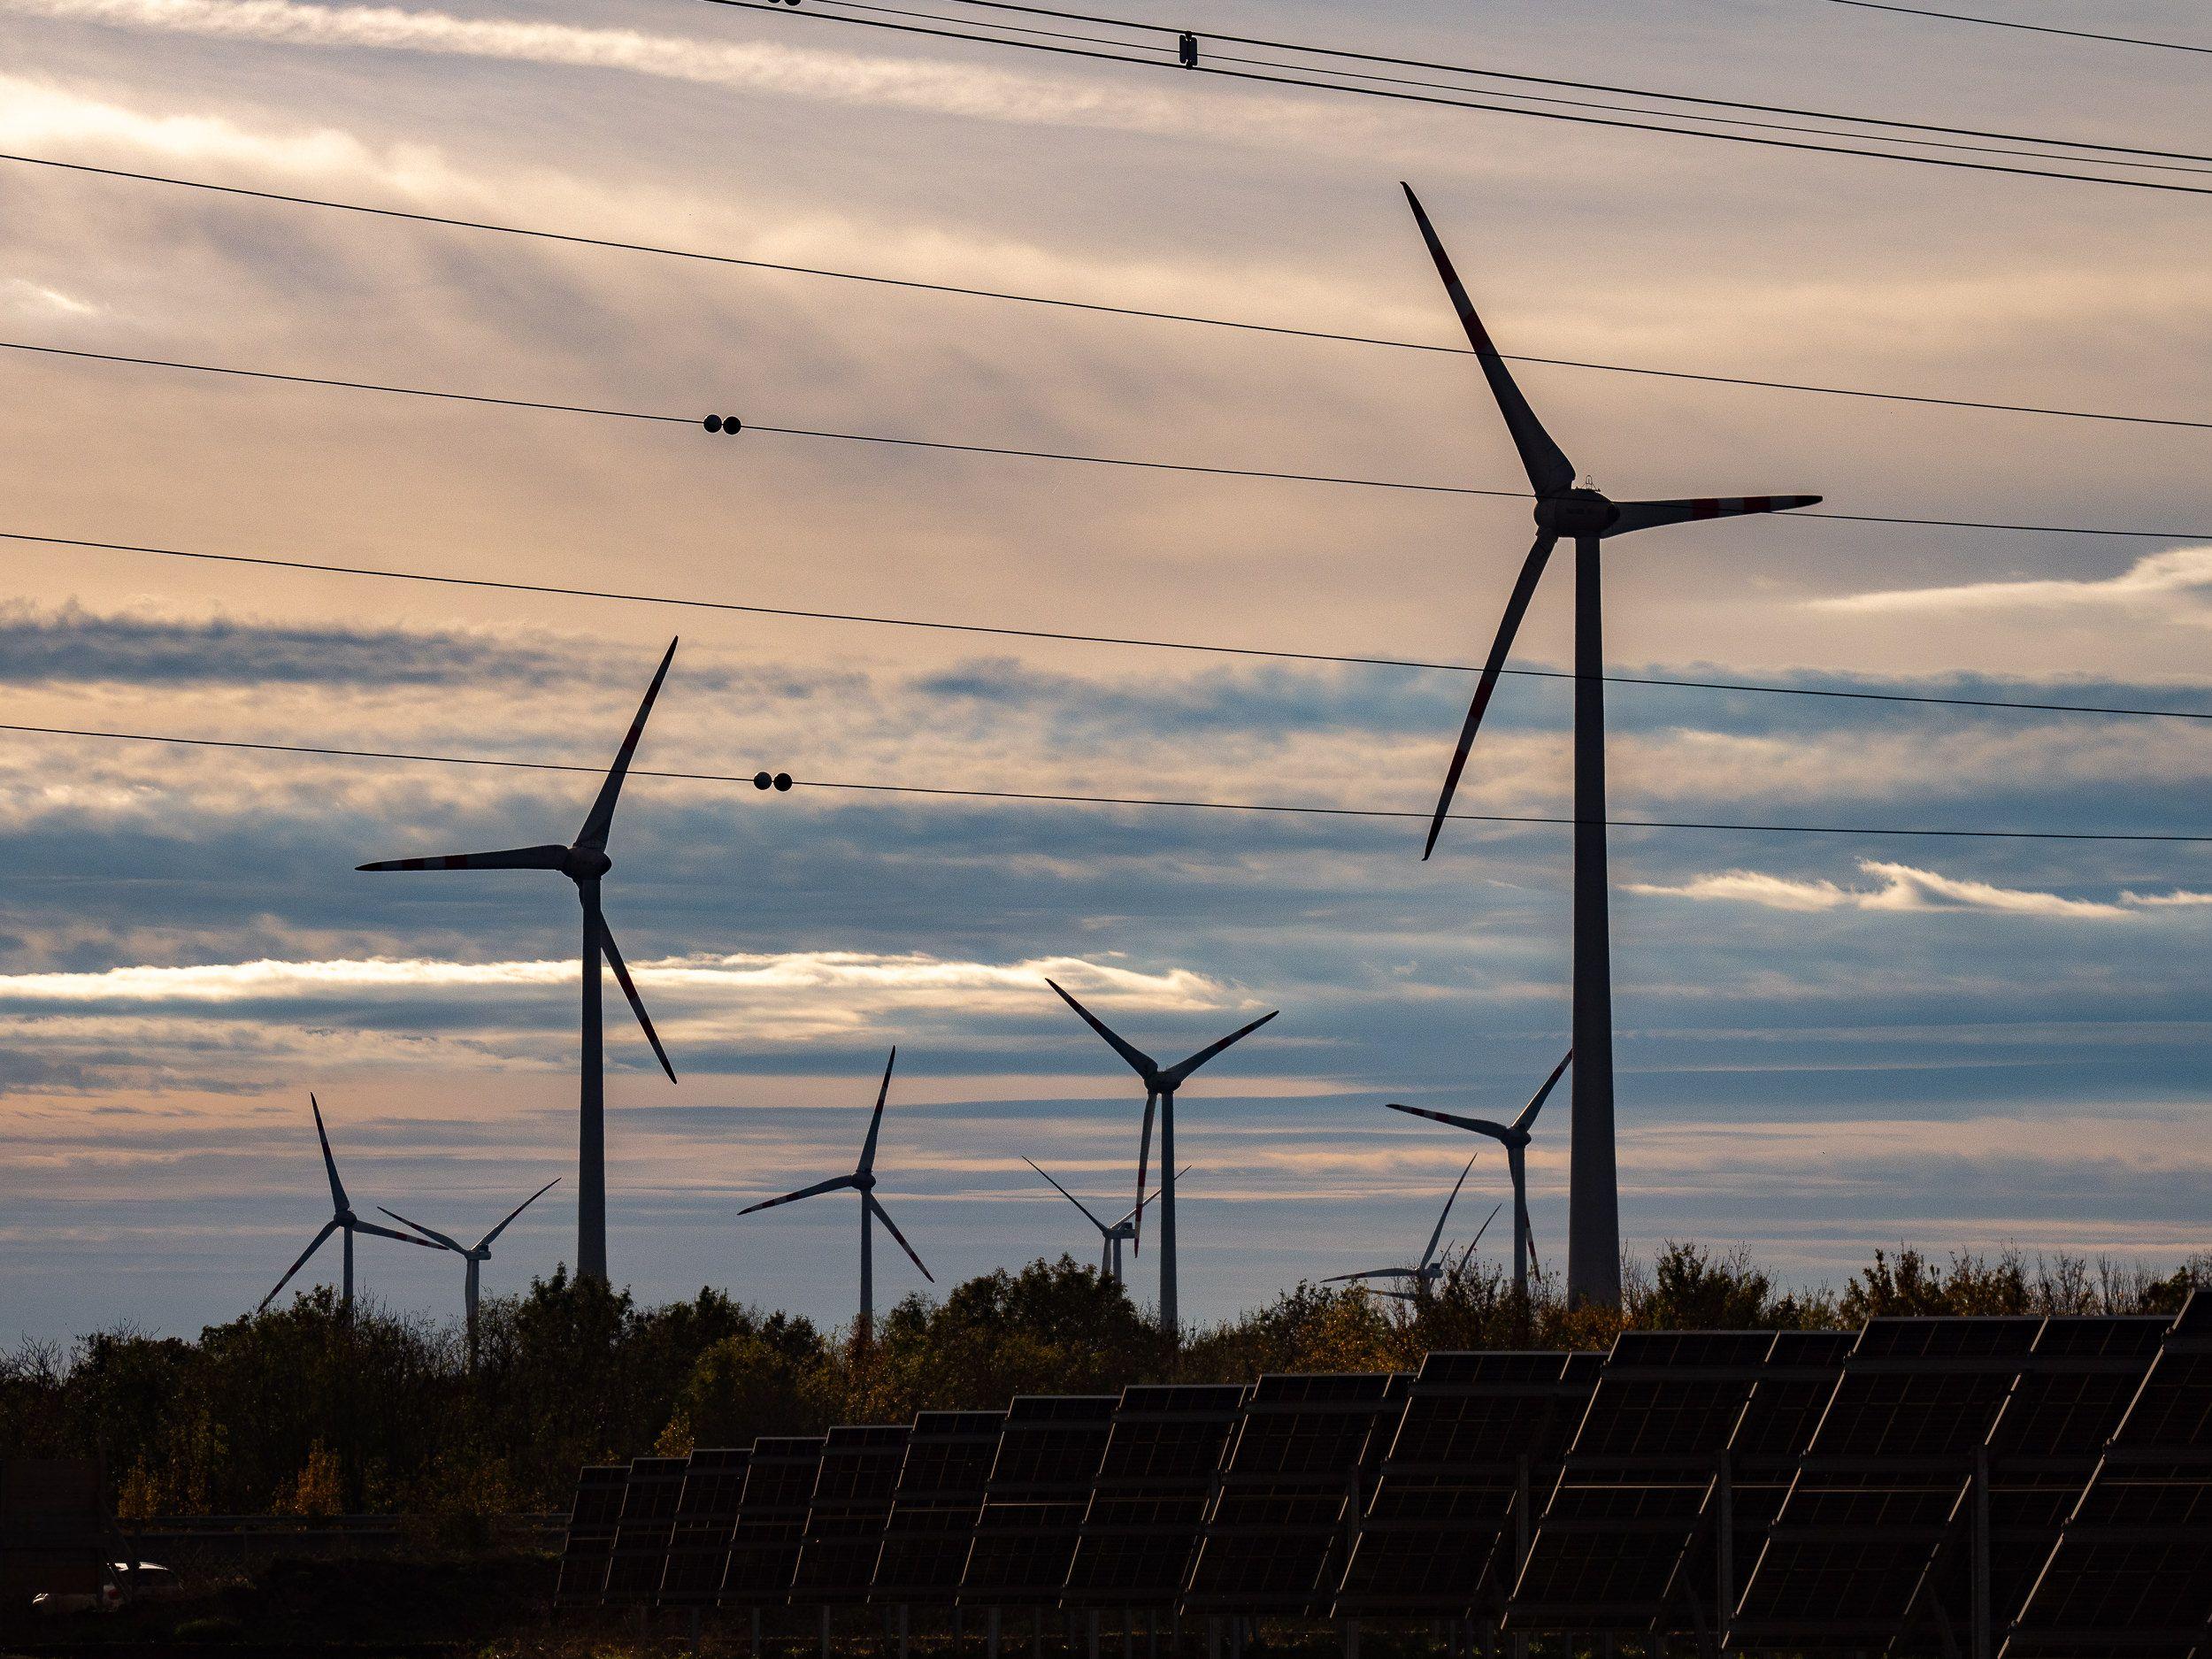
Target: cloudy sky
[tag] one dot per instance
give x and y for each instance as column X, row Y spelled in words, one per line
column 1827, row 1043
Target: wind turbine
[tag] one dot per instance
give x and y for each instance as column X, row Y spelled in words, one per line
column 862, row 1181
column 1514, row 1138
column 1110, row 1238
column 1428, row 1270
column 1594, row 1226
column 1160, row 1084
column 585, row 862
column 341, row 1220
column 475, row 1254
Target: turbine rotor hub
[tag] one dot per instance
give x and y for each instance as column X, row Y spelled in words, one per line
column 865, row 1181
column 1577, row 512
column 586, row 864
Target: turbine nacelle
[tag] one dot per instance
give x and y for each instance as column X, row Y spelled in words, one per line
column 1575, row 512
column 586, row 864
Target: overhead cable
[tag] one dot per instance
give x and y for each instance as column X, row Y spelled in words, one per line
column 2014, row 23
column 761, row 780
column 1065, row 636
column 731, row 426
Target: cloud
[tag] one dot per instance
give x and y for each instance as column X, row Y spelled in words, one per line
column 2172, row 580
column 1903, row 887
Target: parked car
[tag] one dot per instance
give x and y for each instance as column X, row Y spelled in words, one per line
column 120, row 1581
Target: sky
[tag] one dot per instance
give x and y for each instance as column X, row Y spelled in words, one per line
column 1827, row 1044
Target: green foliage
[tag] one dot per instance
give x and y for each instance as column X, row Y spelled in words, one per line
column 295, row 1409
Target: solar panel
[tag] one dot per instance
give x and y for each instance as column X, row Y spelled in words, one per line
column 1881, row 1481
column 1149, row 1499
column 771, row 1520
column 706, row 1514
column 939, row 1494
column 1032, row 1505
column 591, row 1521
column 2131, row 1573
column 845, row 1521
column 1289, row 1489
column 1477, row 1449
column 1635, row 1479
column 642, row 1534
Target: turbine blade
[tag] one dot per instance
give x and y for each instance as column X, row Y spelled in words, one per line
column 1428, row 1255
column 1480, row 1125
column 1372, row 1272
column 836, row 1183
column 1649, row 515
column 1149, row 1197
column 1175, row 1074
column 387, row 1232
column 884, row 1215
column 1508, row 625
column 1486, row 1221
column 485, row 1243
column 443, row 1242
column 868, row 1148
column 1549, row 471
column 1402, row 1295
column 1529, row 1112
column 330, row 1164
column 601, row 818
column 329, row 1227
column 1140, row 1062
column 637, row 1002
column 1071, row 1197
column 1144, row 1160
column 513, row 858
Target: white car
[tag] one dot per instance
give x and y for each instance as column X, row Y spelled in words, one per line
column 120, row 1581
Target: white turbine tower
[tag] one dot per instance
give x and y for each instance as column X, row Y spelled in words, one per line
column 585, row 862
column 1514, row 1138
column 1594, row 1209
column 1428, row 1270
column 1110, row 1238
column 1160, row 1084
column 341, row 1220
column 475, row 1254
column 862, row 1181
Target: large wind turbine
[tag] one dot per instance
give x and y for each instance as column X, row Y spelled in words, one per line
column 1160, row 1084
column 862, row 1181
column 1594, row 1228
column 1514, row 1138
column 1110, row 1238
column 1428, row 1270
column 585, row 862
column 475, row 1254
column 341, row 1220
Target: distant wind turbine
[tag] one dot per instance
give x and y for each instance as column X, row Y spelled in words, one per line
column 585, row 862
column 1594, row 1222
column 1514, row 1138
column 1110, row 1238
column 1428, row 1270
column 1160, row 1084
column 862, row 1181
column 475, row 1254
column 341, row 1220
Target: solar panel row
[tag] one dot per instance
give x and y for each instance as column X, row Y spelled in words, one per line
column 1969, row 1487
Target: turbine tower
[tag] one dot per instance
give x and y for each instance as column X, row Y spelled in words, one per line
column 1514, row 1138
column 585, row 862
column 862, row 1181
column 475, row 1254
column 1110, row 1238
column 1428, row 1270
column 1593, row 1224
column 341, row 1220
column 1160, row 1084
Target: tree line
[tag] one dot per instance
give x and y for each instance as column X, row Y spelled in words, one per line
column 300, row 1410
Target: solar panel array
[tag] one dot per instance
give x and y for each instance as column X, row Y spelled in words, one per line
column 2040, row 1488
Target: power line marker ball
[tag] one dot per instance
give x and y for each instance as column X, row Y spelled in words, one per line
column 730, row 423
column 780, row 782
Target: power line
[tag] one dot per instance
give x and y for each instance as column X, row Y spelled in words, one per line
column 950, row 447
column 1349, row 55
column 1285, row 809
column 2009, row 23
column 873, row 279
column 1064, row 636
column 1435, row 100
